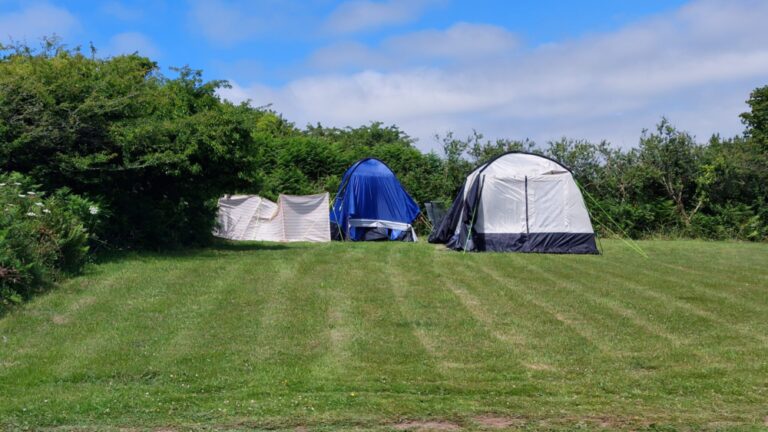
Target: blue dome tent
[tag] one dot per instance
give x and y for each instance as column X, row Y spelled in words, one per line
column 371, row 204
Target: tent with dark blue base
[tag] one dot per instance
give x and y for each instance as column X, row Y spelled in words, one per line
column 371, row 204
column 518, row 202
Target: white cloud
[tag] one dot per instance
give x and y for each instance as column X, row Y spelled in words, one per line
column 223, row 23
column 120, row 11
column 462, row 42
column 229, row 22
column 36, row 21
column 344, row 55
column 257, row 94
column 131, row 42
column 696, row 65
column 362, row 15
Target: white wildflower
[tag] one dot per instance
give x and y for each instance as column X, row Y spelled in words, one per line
column 39, row 204
column 17, row 184
column 2, row 184
column 31, row 214
column 31, row 193
column 22, row 196
column 93, row 210
column 46, row 211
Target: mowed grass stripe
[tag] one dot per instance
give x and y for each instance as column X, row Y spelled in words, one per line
column 664, row 344
column 619, row 324
column 708, row 291
column 461, row 346
column 423, row 305
column 354, row 335
column 635, row 295
column 657, row 291
column 642, row 366
column 664, row 298
column 712, row 344
column 606, row 291
column 214, row 310
column 745, row 298
column 181, row 323
column 292, row 325
column 388, row 345
column 511, row 316
column 124, row 365
column 26, row 352
column 365, row 327
column 645, row 275
column 728, row 264
column 131, row 306
column 593, row 359
column 338, row 330
column 552, row 296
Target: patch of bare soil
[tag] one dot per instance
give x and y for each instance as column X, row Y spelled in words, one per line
column 432, row 425
column 498, row 422
column 59, row 319
column 83, row 302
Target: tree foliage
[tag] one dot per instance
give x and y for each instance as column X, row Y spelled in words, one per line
column 155, row 152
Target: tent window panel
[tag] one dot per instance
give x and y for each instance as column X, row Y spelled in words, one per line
column 546, row 205
column 502, row 208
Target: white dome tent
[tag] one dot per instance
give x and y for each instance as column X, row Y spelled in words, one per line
column 518, row 202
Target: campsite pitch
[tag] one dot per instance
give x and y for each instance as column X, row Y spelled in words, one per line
column 396, row 337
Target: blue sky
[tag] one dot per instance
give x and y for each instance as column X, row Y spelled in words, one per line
column 539, row 69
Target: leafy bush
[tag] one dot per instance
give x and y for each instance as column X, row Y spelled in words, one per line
column 155, row 151
column 41, row 238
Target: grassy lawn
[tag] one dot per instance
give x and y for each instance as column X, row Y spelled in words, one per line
column 355, row 336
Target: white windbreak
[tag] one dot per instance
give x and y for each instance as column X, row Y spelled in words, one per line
column 292, row 218
column 525, row 193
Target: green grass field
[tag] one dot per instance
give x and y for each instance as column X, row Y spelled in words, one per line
column 396, row 336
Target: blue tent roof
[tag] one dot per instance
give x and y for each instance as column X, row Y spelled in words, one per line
column 371, row 194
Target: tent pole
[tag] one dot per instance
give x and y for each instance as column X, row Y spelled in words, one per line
column 474, row 213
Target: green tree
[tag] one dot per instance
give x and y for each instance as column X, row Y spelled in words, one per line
column 756, row 119
column 155, row 151
column 581, row 156
column 673, row 160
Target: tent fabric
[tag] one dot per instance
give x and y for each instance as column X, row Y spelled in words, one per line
column 518, row 202
column 293, row 218
column 371, row 204
column 435, row 212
